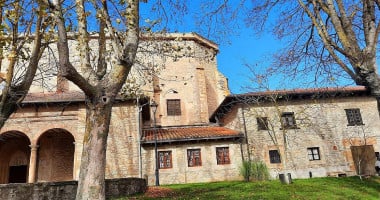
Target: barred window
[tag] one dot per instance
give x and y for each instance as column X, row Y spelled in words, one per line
column 274, row 156
column 262, row 123
column 173, row 107
column 313, row 153
column 354, row 117
column 288, row 120
column 222, row 155
column 194, row 157
column 165, row 158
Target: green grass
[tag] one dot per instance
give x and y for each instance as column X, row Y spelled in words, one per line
column 315, row 188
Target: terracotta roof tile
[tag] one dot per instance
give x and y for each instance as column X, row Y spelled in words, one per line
column 54, row 97
column 188, row 133
column 307, row 91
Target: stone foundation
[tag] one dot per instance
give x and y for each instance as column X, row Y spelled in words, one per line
column 67, row 190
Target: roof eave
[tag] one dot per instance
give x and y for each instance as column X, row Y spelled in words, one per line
column 193, row 139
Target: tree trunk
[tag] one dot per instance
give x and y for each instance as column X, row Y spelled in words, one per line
column 91, row 185
column 8, row 109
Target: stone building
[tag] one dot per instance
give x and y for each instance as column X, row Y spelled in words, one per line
column 307, row 133
column 202, row 134
column 42, row 141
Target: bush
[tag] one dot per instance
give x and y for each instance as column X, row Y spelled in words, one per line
column 259, row 171
column 255, row 170
column 245, row 170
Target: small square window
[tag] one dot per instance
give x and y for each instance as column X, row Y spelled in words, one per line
column 165, row 158
column 288, row 120
column 194, row 157
column 313, row 153
column 222, row 155
column 274, row 156
column 262, row 123
column 173, row 107
column 354, row 117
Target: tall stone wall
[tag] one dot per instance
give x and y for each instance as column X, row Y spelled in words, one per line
column 320, row 124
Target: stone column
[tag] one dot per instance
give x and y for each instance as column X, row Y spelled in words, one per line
column 77, row 157
column 32, row 163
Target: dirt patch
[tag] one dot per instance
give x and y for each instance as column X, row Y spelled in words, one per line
column 156, row 192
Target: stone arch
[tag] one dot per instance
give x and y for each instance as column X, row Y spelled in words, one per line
column 70, row 129
column 56, row 148
column 14, row 157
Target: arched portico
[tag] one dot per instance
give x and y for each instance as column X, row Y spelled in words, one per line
column 56, row 149
column 14, row 157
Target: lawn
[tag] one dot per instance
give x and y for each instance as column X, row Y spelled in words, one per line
column 315, row 188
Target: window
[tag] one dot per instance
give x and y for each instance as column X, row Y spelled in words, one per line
column 165, row 158
column 173, row 107
column 222, row 155
column 354, row 117
column 274, row 156
column 194, row 157
column 262, row 123
column 313, row 153
column 288, row 120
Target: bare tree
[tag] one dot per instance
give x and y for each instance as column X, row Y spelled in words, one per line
column 270, row 112
column 322, row 38
column 23, row 39
column 102, row 83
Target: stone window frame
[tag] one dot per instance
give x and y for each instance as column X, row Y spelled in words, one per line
column 354, row 117
column 223, row 155
column 313, row 153
column 173, row 107
column 194, row 157
column 262, row 123
column 274, row 156
column 165, row 159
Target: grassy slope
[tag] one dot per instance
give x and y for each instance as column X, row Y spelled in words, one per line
column 316, row 188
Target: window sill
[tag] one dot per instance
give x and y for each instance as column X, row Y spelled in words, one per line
column 166, row 168
column 290, row 127
column 355, row 124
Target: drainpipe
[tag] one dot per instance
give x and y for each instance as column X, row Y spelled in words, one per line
column 139, row 135
column 139, row 126
column 139, row 109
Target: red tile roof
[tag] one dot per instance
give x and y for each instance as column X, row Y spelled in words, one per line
column 307, row 91
column 48, row 97
column 54, row 97
column 287, row 95
column 188, row 134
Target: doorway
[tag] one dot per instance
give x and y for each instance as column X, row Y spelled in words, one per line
column 364, row 159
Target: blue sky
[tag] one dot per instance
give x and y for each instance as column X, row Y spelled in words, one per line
column 236, row 49
column 244, row 48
